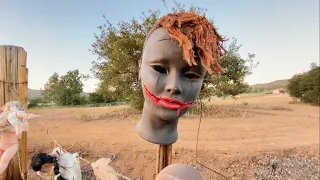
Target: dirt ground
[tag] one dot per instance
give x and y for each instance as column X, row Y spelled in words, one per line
column 239, row 142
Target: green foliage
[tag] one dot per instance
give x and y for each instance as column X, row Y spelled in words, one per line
column 66, row 89
column 34, row 102
column 84, row 100
column 119, row 50
column 97, row 97
column 51, row 89
column 306, row 86
column 232, row 82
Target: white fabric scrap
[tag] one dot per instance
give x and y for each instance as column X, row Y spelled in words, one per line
column 103, row 171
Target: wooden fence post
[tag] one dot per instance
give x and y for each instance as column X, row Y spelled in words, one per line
column 14, row 87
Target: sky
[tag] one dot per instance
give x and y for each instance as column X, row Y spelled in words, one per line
column 57, row 35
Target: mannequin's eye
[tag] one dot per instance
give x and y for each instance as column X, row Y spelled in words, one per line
column 192, row 76
column 159, row 69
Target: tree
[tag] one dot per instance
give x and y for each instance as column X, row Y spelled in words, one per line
column 96, row 98
column 119, row 50
column 66, row 89
column 232, row 82
column 34, row 102
column 306, row 85
column 51, row 89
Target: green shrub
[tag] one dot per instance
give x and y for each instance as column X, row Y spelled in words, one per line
column 306, row 86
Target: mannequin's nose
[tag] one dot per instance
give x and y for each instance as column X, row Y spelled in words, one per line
column 174, row 90
column 174, row 85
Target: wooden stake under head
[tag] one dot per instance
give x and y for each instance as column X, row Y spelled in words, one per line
column 164, row 157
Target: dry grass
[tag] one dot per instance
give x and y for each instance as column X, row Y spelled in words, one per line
column 275, row 108
column 217, row 111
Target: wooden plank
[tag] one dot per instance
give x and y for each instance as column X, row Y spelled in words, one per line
column 13, row 71
column 23, row 94
column 22, row 57
column 14, row 97
column 8, row 76
column 3, row 72
column 22, row 77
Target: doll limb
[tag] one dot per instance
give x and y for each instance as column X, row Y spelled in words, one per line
column 5, row 130
column 28, row 116
column 1, row 152
column 4, row 124
column 18, row 130
column 3, row 119
column 21, row 127
column 19, row 121
column 7, row 155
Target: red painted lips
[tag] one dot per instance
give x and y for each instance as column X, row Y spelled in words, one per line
column 167, row 102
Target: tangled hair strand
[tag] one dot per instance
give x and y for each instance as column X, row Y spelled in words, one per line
column 197, row 36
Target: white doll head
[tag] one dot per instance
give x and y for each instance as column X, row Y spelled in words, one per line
column 13, row 106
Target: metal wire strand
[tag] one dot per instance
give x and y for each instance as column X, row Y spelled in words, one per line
column 53, row 139
column 197, row 162
column 6, row 82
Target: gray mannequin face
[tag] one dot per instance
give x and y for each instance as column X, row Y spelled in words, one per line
column 170, row 85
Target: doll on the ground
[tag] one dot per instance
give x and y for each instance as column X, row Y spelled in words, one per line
column 13, row 121
column 59, row 164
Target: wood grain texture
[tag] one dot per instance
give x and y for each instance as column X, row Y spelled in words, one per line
column 14, row 87
column 164, row 157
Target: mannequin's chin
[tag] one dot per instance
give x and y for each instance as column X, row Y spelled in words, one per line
column 172, row 114
column 166, row 114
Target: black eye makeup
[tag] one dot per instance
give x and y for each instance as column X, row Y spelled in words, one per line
column 192, row 76
column 160, row 69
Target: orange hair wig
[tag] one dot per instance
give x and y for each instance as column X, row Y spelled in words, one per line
column 197, row 36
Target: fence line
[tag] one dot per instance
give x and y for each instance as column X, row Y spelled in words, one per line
column 81, row 106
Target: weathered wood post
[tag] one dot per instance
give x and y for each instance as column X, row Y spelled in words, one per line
column 164, row 157
column 13, row 87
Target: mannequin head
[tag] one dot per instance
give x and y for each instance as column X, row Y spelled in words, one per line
column 178, row 52
column 180, row 171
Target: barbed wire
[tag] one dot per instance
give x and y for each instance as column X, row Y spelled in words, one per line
column 19, row 160
column 54, row 140
column 7, row 82
column 13, row 84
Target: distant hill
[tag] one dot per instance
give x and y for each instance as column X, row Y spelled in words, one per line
column 35, row 94
column 271, row 85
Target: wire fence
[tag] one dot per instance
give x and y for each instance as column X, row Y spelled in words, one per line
column 42, row 105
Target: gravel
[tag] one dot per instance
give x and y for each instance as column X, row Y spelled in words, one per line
column 295, row 167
